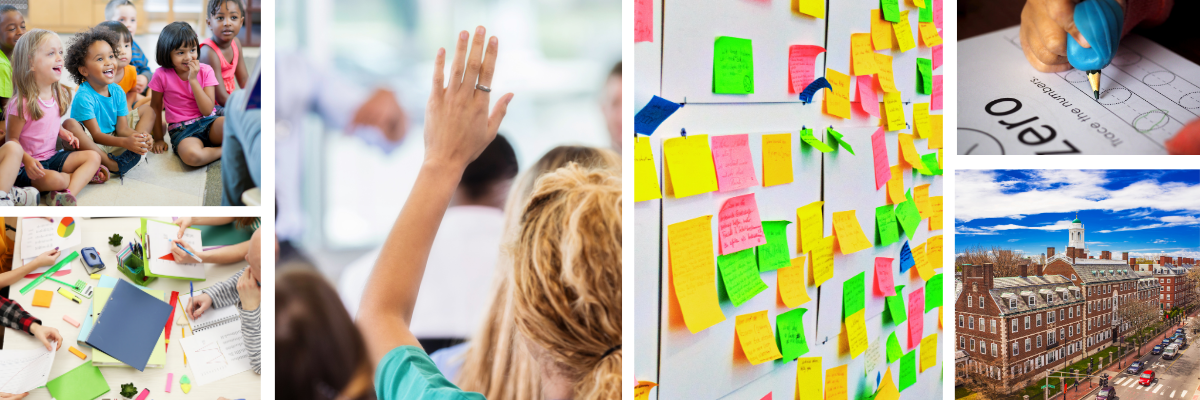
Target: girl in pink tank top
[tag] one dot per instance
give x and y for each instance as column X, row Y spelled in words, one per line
column 225, row 19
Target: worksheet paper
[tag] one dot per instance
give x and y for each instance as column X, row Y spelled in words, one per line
column 1147, row 94
column 61, row 271
column 24, row 370
column 39, row 235
column 216, row 354
column 213, row 317
column 160, row 236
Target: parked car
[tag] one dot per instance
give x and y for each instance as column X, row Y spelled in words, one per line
column 1158, row 349
column 1179, row 331
column 1181, row 344
column 1107, row 393
column 1147, row 378
column 1166, row 341
column 1135, row 367
column 1170, row 352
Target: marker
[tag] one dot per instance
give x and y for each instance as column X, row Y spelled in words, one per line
column 186, row 251
column 67, row 293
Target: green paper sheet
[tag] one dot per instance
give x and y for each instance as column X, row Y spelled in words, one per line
column 837, row 138
column 886, row 225
column 733, row 66
column 854, row 295
column 908, row 369
column 740, row 275
column 924, row 76
column 931, row 164
column 807, row 137
column 775, row 253
column 893, row 348
column 85, row 382
column 909, row 217
column 926, row 12
column 896, row 308
column 223, row 235
column 891, row 10
column 933, row 292
column 789, row 334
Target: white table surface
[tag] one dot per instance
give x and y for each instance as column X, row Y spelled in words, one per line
column 245, row 385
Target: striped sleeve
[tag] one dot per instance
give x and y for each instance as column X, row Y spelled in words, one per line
column 224, row 293
column 252, row 337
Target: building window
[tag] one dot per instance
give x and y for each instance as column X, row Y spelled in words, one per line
column 1032, row 301
column 1060, row 313
column 1050, row 337
column 970, row 323
column 981, row 302
column 960, row 321
column 1012, row 303
column 983, row 347
column 972, row 344
column 970, row 301
column 1014, row 321
column 1039, row 319
column 1016, row 349
column 993, row 330
column 1039, row 341
column 1027, row 344
column 1050, row 317
column 1027, row 322
column 994, row 353
column 962, row 342
column 981, row 323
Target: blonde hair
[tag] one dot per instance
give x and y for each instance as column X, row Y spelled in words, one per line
column 493, row 364
column 567, row 278
column 27, row 92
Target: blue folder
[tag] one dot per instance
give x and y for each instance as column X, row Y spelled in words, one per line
column 130, row 325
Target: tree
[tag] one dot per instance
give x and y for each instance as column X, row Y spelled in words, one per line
column 1005, row 262
column 984, row 388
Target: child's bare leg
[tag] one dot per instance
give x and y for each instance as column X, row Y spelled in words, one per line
column 86, row 143
column 82, row 165
column 216, row 131
column 192, row 152
column 10, row 165
column 53, row 181
column 145, row 123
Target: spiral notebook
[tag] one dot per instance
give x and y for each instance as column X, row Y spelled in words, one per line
column 212, row 318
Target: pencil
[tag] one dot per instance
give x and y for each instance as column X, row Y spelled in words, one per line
column 1094, row 79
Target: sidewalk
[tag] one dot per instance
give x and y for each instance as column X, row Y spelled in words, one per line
column 1146, row 348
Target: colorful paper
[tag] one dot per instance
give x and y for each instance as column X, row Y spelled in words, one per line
column 738, row 224
column 887, row 387
column 756, row 337
column 808, row 379
column 802, row 60
column 790, row 334
column 916, row 316
column 934, row 252
column 884, row 284
column 929, row 33
column 838, row 141
column 806, row 136
column 891, row 10
column 926, row 12
column 856, row 333
column 775, row 253
column 935, row 221
column 879, row 154
column 894, row 111
column 777, row 159
column 837, row 99
column 895, row 306
column 849, row 233
column 906, row 258
column 896, row 186
column 881, row 31
column 84, row 382
column 810, row 226
column 835, row 383
column 886, row 225
column 908, row 370
column 734, row 165
column 793, row 288
column 924, row 76
column 653, row 114
column 643, row 22
column 935, row 125
column 642, row 390
column 923, row 267
column 693, row 273
column 739, row 273
column 887, row 82
column 854, row 296
column 904, row 34
column 921, row 120
column 937, row 56
column 733, row 66
column 894, row 352
column 692, row 160
column 921, row 197
column 934, row 288
column 929, row 351
column 935, row 101
column 868, row 100
column 862, row 57
column 813, row 8
column 645, row 175
column 823, row 260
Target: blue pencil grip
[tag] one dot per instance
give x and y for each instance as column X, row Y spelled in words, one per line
column 1100, row 23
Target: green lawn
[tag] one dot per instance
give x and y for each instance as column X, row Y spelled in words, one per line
column 963, row 393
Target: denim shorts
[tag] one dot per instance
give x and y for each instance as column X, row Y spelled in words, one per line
column 198, row 130
column 54, row 163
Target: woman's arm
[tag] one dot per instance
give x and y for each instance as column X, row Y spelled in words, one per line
column 457, row 129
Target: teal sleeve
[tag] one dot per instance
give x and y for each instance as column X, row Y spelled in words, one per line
column 407, row 372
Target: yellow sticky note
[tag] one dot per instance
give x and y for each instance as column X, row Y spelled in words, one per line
column 922, row 261
column 837, row 99
column 642, row 390
column 929, row 34
column 921, row 197
column 895, row 111
column 933, row 252
column 645, row 176
column 849, row 233
column 777, row 159
column 881, row 32
column 935, row 221
column 929, row 352
column 861, row 54
column 887, row 387
column 921, row 120
column 808, row 378
column 756, row 337
column 694, row 273
column 883, row 63
column 856, row 333
column 935, row 132
column 791, row 283
column 909, row 153
column 939, row 317
column 810, row 227
column 42, row 298
column 919, row 3
column 823, row 260
column 835, row 383
column 896, row 186
column 691, row 159
column 814, row 8
column 904, row 34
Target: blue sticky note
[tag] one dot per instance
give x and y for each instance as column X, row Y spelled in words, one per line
column 812, row 88
column 652, row 115
column 906, row 258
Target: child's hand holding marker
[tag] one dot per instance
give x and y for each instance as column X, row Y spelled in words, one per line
column 197, row 305
column 184, row 253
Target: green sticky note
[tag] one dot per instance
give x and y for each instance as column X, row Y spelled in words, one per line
column 891, row 10
column 789, row 334
column 85, row 382
column 893, row 348
column 933, row 292
column 896, row 309
column 807, row 137
column 854, row 296
column 909, row 217
column 926, row 12
column 733, row 66
column 837, row 138
column 931, row 163
column 775, row 253
column 924, row 76
column 886, row 225
column 740, row 276
column 908, row 369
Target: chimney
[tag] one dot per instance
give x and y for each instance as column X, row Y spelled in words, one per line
column 1071, row 254
column 1024, row 269
column 988, row 275
column 1125, row 256
column 1049, row 252
column 1037, row 268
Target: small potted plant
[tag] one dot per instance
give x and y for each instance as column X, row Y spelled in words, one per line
column 114, row 243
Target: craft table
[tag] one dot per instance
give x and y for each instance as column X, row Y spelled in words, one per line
column 245, row 385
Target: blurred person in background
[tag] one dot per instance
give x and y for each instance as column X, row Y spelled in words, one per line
column 610, row 105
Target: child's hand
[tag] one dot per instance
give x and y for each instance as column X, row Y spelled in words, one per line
column 136, row 144
column 182, row 256
column 193, row 69
column 70, row 138
column 140, row 87
column 198, row 305
column 159, row 146
column 457, row 125
column 46, row 258
column 1045, row 25
column 33, row 169
column 47, row 335
column 6, row 396
column 183, row 223
column 248, row 291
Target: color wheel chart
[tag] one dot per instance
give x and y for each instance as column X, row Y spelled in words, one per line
column 66, row 227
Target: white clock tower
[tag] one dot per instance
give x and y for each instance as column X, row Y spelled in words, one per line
column 1076, row 238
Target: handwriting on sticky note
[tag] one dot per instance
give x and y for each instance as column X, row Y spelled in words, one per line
column 906, row 258
column 886, row 81
column 935, row 141
column 886, row 225
column 775, row 253
column 791, row 334
column 813, row 8
column 916, row 316
column 856, row 333
column 735, row 166
column 921, row 197
column 643, row 21
column 934, row 289
column 891, row 10
column 879, row 154
column 835, row 383
column 809, row 222
column 642, row 390
column 923, row 268
column 861, row 55
column 756, row 337
column 837, row 99
column 896, row 186
column 904, row 34
column 808, row 379
column 849, row 233
column 926, row 12
column 909, row 153
column 934, row 252
column 854, row 296
column 894, row 111
column 653, row 114
column 691, row 160
column 937, row 56
column 929, row 34
column 920, row 121
column 739, row 272
column 777, row 159
column 881, row 31
column 733, row 66
column 937, row 13
column 802, row 61
column 823, row 260
column 929, row 351
column 935, row 101
column 908, row 369
column 807, row 137
column 792, row 286
column 867, row 98
column 935, row 221
column 924, row 76
column 873, row 358
column 738, row 224
column 645, row 176
column 883, row 277
column 693, row 273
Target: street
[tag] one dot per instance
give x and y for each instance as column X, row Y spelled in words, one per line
column 1176, row 379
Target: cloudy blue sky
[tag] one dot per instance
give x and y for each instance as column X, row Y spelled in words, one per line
column 1144, row 212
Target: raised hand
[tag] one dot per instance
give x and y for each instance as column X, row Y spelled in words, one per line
column 457, row 124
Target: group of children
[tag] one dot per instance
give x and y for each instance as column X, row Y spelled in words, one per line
column 121, row 109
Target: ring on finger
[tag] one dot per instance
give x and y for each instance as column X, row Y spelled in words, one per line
column 483, row 88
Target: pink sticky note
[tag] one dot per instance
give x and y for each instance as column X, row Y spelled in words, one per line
column 801, row 61
column 643, row 21
column 935, row 103
column 867, row 98
column 937, row 56
column 735, row 167
column 937, row 14
column 70, row 320
column 738, row 225
column 170, row 376
column 883, row 169
column 884, row 285
column 916, row 317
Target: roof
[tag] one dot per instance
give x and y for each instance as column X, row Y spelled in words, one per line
column 1076, row 221
column 1010, row 287
column 1092, row 270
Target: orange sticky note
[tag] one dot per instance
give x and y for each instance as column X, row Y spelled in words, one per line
column 837, row 99
column 822, row 255
column 645, row 176
column 935, row 132
column 814, row 8
column 810, row 226
column 863, row 58
column 756, row 337
column 77, row 353
column 808, row 378
column 791, row 283
column 921, row 120
column 929, row 34
column 935, row 220
column 896, row 186
column 691, row 159
column 933, row 252
column 881, row 32
column 41, row 298
column 835, row 383
column 929, row 351
column 693, row 272
column 887, row 387
column 642, row 390
column 883, row 63
column 894, row 111
column 849, row 233
column 904, row 34
column 777, row 159
column 921, row 197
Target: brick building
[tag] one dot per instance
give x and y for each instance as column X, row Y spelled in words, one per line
column 1106, row 285
column 1177, row 289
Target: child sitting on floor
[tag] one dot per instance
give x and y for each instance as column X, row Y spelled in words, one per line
column 100, row 104
column 185, row 88
column 12, row 26
column 125, row 12
column 34, row 118
column 11, row 155
column 225, row 20
column 126, row 78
